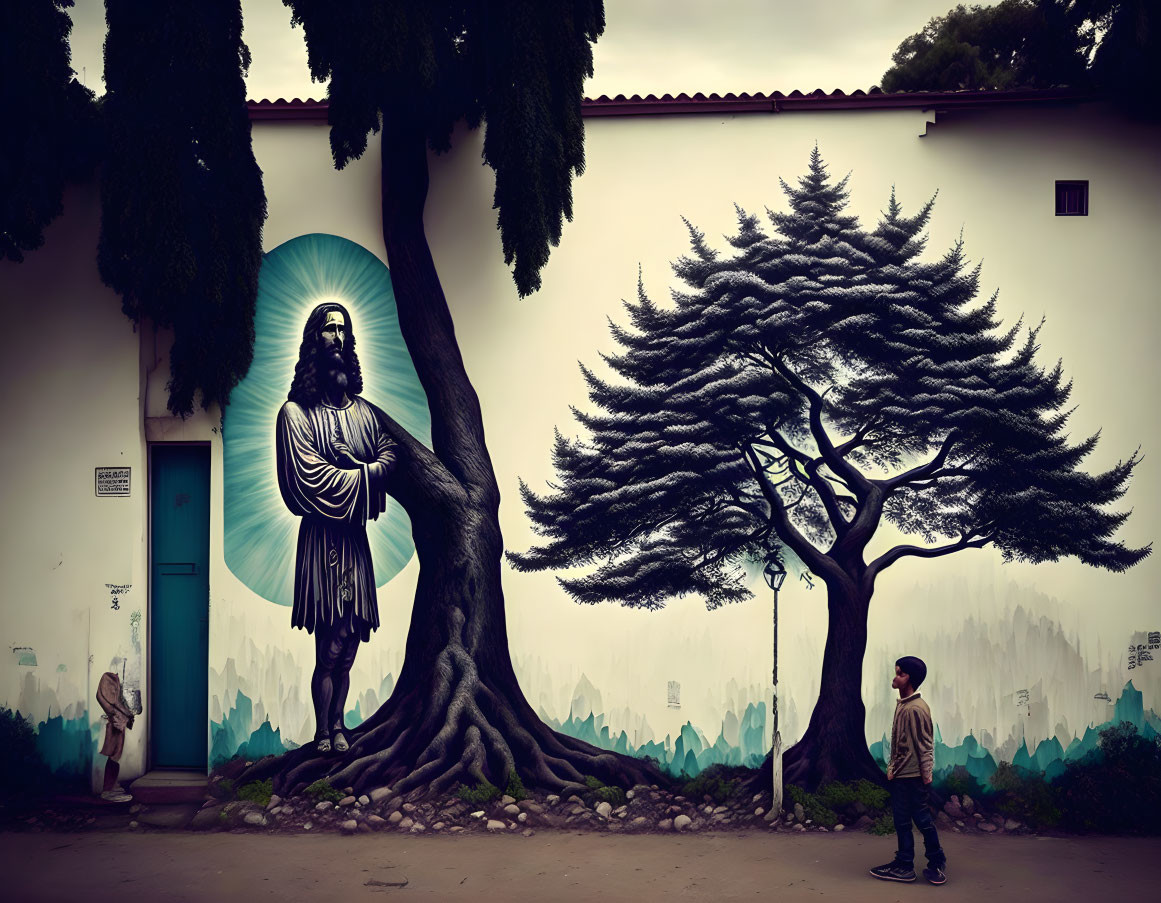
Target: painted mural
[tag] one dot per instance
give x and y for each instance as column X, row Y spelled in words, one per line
column 1042, row 698
column 307, row 521
column 820, row 385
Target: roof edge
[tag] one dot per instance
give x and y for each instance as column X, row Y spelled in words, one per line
column 776, row 102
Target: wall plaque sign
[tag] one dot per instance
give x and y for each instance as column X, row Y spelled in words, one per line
column 112, row 481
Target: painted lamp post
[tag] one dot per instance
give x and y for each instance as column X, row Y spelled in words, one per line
column 775, row 573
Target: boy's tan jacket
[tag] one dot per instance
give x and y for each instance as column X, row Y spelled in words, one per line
column 912, row 740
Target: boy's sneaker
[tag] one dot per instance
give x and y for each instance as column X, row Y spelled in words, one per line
column 935, row 875
column 893, row 871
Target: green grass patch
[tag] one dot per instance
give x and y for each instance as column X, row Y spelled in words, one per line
column 484, row 792
column 258, row 792
column 601, row 792
column 322, row 790
column 884, row 824
column 515, row 788
column 719, row 782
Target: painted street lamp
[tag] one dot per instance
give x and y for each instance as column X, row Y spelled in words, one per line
column 775, row 573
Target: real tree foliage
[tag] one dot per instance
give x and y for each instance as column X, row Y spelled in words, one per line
column 410, row 71
column 182, row 205
column 49, row 136
column 520, row 65
column 822, row 381
column 1108, row 44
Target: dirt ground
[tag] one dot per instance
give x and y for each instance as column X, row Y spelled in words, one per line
column 558, row 867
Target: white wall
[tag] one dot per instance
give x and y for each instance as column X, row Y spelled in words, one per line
column 69, row 401
column 83, row 390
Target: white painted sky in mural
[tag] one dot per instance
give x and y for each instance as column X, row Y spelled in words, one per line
column 649, row 46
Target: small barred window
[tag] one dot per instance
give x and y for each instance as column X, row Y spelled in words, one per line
column 1072, row 198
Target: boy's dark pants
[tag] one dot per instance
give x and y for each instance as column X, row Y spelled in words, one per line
column 909, row 803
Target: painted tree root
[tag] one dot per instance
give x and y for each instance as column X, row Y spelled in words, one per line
column 462, row 729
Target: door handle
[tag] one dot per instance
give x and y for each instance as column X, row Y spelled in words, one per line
column 177, row 569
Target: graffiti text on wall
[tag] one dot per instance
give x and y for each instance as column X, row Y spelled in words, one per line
column 1139, row 653
column 116, row 591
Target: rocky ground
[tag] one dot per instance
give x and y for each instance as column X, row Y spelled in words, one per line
column 647, row 810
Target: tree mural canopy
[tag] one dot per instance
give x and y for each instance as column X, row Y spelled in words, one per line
column 798, row 393
column 519, row 65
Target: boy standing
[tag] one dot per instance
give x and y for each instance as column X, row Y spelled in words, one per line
column 909, row 771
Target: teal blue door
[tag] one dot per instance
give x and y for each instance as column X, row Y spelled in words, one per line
column 179, row 506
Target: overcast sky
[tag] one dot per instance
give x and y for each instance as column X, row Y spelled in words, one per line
column 649, row 46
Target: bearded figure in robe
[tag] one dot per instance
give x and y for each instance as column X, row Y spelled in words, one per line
column 333, row 459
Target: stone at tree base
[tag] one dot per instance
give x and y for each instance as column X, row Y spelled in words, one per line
column 347, row 801
column 552, row 799
column 406, row 822
column 495, row 825
column 364, row 800
column 395, row 817
column 512, row 809
column 968, row 804
column 324, row 806
column 838, row 828
column 275, row 801
column 759, row 812
column 639, row 822
column 531, row 806
column 380, row 793
column 987, row 826
column 1012, row 825
column 350, row 826
column 376, row 821
column 666, row 824
column 682, row 822
column 507, row 800
column 206, row 818
column 257, row 819
column 604, row 809
column 168, row 816
column 799, row 812
column 953, row 808
column 527, row 832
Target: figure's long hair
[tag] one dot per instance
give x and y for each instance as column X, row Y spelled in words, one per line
column 307, row 386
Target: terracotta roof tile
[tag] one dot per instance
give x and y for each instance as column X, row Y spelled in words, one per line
column 774, row 102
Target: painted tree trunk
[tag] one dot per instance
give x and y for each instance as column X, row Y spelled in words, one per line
column 834, row 745
column 457, row 713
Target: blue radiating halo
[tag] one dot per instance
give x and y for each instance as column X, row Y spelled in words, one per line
column 260, row 532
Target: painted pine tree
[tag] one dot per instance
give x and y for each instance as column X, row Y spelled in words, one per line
column 820, row 382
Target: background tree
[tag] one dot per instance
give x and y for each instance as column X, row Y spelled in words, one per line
column 182, row 205
column 1110, row 45
column 820, row 383
column 54, row 142
column 457, row 713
